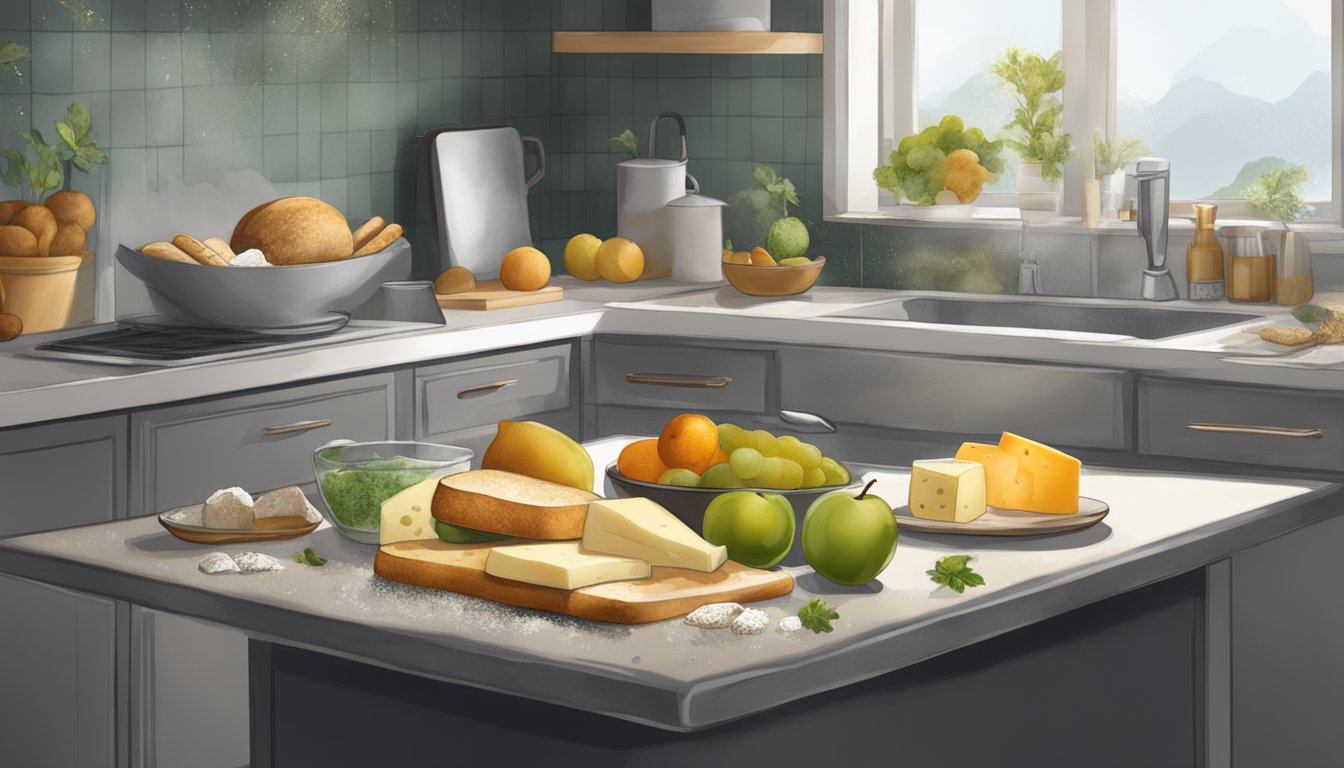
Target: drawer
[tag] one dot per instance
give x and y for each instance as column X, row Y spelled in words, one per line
column 37, row 465
column 1067, row 406
column 184, row 452
column 465, row 395
column 657, row 374
column 1294, row 429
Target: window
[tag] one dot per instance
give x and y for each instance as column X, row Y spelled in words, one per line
column 1225, row 91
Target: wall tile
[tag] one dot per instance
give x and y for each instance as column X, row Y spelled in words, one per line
column 163, row 117
column 52, row 62
column 92, row 52
column 128, row 120
column 163, row 61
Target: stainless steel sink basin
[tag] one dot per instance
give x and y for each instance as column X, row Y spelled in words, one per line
column 1137, row 322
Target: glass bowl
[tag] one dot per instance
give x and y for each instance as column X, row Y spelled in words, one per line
column 356, row 478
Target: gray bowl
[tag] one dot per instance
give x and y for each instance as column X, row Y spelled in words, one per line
column 689, row 504
column 265, row 297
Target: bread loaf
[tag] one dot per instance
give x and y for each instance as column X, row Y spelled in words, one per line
column 72, row 208
column 367, row 231
column 295, row 230
column 495, row 501
column 221, row 249
column 9, row 208
column 381, row 240
column 69, row 241
column 39, row 220
column 198, row 251
column 17, row 241
column 11, row 326
column 166, row 251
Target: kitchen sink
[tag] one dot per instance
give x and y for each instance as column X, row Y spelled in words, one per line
column 1140, row 322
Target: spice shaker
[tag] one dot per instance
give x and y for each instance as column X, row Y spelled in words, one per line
column 1204, row 258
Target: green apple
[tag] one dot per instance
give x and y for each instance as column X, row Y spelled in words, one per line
column 720, row 476
column 849, row 539
column 757, row 528
column 685, row 478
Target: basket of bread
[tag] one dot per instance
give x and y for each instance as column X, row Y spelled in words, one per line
column 289, row 263
column 42, row 247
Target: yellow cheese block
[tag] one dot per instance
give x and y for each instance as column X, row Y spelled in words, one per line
column 1053, row 475
column 561, row 564
column 639, row 528
column 1004, row 488
column 406, row 516
column 951, row 491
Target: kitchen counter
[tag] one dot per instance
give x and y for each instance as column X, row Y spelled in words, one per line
column 34, row 390
column 668, row 674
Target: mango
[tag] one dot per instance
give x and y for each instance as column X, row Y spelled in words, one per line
column 539, row 451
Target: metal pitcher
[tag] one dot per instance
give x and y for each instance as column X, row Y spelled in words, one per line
column 644, row 187
column 1292, row 269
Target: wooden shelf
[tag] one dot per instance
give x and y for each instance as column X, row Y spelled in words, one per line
column 686, row 42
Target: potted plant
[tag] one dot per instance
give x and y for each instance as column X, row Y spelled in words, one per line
column 1035, row 133
column 1110, row 155
column 944, row 164
column 1278, row 194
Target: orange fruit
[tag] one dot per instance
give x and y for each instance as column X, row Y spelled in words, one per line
column 620, row 260
column 762, row 258
column 525, row 269
column 639, row 461
column 689, row 441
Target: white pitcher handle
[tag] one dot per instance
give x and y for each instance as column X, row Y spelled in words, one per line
column 693, row 184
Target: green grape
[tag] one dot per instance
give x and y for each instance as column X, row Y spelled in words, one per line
column 720, row 476
column 745, row 462
column 836, row 474
column 809, row 457
column 792, row 475
column 814, row 477
column 732, row 437
column 790, row 447
column 765, row 443
column 951, row 124
column 681, row 477
column 772, row 471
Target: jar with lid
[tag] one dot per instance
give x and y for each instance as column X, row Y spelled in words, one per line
column 1249, row 267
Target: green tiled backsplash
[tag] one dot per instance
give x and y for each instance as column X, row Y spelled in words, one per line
column 327, row 98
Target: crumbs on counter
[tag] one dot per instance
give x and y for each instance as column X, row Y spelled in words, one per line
column 714, row 615
column 243, row 562
column 752, row 621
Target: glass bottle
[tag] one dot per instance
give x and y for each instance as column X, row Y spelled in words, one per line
column 1250, row 269
column 1204, row 258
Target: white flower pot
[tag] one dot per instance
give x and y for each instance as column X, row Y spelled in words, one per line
column 1112, row 195
column 1034, row 193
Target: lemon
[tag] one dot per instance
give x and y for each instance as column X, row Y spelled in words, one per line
column 581, row 256
column 620, row 260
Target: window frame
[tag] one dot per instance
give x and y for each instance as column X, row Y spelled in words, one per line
column 871, row 51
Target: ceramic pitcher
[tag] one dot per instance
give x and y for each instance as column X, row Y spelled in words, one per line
column 644, row 187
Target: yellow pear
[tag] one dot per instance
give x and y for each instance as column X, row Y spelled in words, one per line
column 539, row 451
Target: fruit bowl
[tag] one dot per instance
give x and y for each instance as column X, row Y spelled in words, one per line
column 756, row 280
column 689, row 504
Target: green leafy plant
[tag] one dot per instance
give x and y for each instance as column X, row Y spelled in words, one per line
column 917, row 169
column 1038, row 135
column 1277, row 194
column 955, row 573
column 1112, row 154
column 782, row 192
column 817, row 616
column 11, row 53
column 752, row 211
column 46, row 171
column 627, row 141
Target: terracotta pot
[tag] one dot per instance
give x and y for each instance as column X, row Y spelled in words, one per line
column 41, row 290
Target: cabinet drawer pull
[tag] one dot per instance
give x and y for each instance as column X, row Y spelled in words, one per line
column 679, row 380
column 485, row 389
column 298, row 426
column 807, row 420
column 1308, row 433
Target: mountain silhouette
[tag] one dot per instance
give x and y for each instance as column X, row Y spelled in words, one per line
column 1258, row 62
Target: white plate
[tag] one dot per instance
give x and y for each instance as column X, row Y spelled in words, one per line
column 1010, row 522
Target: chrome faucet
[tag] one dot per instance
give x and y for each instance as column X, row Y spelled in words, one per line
column 1152, row 176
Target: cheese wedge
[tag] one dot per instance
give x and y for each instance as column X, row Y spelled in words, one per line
column 642, row 529
column 562, row 565
column 1003, row 487
column 406, row 516
column 951, row 491
column 1051, row 475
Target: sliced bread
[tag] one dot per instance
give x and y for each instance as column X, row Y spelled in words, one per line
column 512, row 504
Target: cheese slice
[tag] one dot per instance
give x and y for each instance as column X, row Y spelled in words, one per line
column 406, row 516
column 642, row 529
column 1050, row 475
column 1004, row 487
column 951, row 491
column 561, row 564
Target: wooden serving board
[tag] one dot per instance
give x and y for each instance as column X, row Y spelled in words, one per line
column 668, row 593
column 492, row 294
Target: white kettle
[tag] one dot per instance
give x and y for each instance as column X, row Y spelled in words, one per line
column 644, row 187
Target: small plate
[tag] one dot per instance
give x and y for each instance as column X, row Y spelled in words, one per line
column 1011, row 522
column 185, row 524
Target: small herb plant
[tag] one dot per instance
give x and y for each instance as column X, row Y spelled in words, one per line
column 627, row 141
column 1112, row 154
column 955, row 573
column 47, row 171
column 1036, row 134
column 1277, row 194
column 817, row 616
column 11, row 53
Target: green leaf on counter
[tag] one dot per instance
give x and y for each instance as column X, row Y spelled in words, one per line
column 1311, row 313
column 627, row 141
column 817, row 616
column 309, row 556
column 955, row 573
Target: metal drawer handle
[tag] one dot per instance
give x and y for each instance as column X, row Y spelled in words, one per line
column 485, row 389
column 1308, row 433
column 679, row 380
column 298, row 426
column 808, row 420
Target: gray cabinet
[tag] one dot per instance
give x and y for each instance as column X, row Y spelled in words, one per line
column 58, row 651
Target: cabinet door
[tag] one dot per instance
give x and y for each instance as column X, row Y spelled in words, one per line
column 58, row 649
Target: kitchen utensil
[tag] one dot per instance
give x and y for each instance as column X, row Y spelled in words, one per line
column 1292, row 267
column 492, row 294
column 1204, row 277
column 356, row 478
column 185, row 524
column 480, row 193
column 40, row 291
column 644, row 187
column 256, row 298
column 695, row 238
column 773, row 281
column 1249, row 268
column 667, row 594
column 711, row 15
column 1009, row 522
column 402, row 301
column 689, row 504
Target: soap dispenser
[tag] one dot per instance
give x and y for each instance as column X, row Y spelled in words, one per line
column 1204, row 258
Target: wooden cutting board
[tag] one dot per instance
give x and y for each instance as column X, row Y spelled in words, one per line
column 668, row 593
column 492, row 294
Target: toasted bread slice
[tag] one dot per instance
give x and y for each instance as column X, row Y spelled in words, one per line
column 511, row 504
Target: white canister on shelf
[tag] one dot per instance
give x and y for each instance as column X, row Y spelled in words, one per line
column 711, row 15
column 695, row 238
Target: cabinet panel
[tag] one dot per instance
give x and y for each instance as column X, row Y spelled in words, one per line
column 478, row 392
column 1068, row 406
column 656, row 373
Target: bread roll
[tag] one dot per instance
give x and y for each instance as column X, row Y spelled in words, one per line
column 74, row 208
column 9, row 208
column 17, row 241
column 367, row 231
column 454, row 280
column 39, row 220
column 70, row 240
column 166, row 251
column 10, row 326
column 295, row 230
column 198, row 251
column 220, row 248
column 382, row 240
